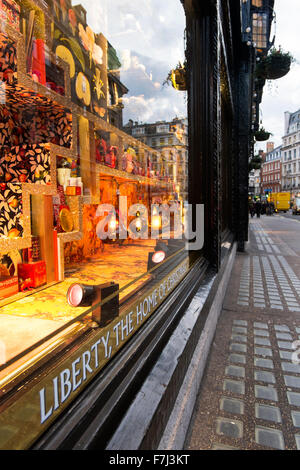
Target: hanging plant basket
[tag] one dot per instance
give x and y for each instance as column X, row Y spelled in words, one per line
column 177, row 77
column 276, row 65
column 262, row 135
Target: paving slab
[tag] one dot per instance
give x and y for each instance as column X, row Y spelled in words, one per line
column 250, row 393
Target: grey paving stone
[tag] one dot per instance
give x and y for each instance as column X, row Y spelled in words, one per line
column 235, row 371
column 230, row 428
column 296, row 418
column 240, row 322
column 238, row 358
column 267, row 412
column 263, row 351
column 262, row 325
column 266, row 393
column 264, row 333
column 266, row 363
column 232, row 405
column 234, row 386
column 290, row 367
column 262, row 341
column 291, row 381
column 238, row 347
column 218, row 446
column 264, row 376
column 283, row 335
column 285, row 345
column 286, row 355
column 281, row 328
column 239, row 338
column 269, row 437
column 239, row 329
column 293, row 398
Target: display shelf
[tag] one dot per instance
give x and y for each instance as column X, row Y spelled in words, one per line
column 36, row 189
column 114, row 172
column 75, row 204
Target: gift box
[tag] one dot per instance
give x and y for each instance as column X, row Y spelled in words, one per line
column 35, row 271
column 9, row 287
column 10, row 13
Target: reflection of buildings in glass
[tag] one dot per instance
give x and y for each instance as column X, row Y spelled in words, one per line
column 170, row 139
column 63, row 153
column 116, row 89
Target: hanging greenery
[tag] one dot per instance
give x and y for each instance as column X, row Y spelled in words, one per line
column 275, row 65
column 262, row 134
column 177, row 77
column 255, row 163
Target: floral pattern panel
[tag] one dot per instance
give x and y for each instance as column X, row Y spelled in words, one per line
column 11, row 224
column 8, row 60
column 21, row 124
column 25, row 164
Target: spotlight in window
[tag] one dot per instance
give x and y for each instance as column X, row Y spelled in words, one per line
column 83, row 295
column 158, row 256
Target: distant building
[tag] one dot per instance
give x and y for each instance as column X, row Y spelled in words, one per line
column 254, row 182
column 290, row 151
column 170, row 139
column 271, row 170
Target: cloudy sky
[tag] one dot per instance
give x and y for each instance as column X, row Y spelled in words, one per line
column 283, row 94
column 149, row 38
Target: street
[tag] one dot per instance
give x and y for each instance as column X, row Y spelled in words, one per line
column 250, row 393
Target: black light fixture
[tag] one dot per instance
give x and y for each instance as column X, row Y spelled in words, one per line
column 159, row 255
column 84, row 295
column 163, row 250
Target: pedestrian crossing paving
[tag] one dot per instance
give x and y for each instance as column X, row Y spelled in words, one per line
column 267, row 280
column 250, row 395
column 251, row 408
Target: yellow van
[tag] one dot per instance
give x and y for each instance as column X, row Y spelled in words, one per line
column 281, row 201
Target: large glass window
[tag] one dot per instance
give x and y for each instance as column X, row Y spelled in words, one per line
column 93, row 170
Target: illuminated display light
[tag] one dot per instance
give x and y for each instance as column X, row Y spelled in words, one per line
column 155, row 221
column 138, row 225
column 83, row 295
column 113, row 224
column 158, row 256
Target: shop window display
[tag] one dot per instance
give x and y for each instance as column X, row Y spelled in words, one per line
column 66, row 154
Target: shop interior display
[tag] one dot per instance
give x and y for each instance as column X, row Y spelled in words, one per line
column 60, row 158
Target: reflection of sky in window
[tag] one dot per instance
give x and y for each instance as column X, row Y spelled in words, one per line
column 149, row 38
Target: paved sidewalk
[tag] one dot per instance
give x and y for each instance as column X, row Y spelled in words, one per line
column 250, row 393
